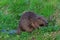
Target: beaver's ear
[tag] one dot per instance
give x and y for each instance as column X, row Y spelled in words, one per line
column 39, row 17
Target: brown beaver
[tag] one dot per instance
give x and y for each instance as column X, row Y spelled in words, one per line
column 29, row 21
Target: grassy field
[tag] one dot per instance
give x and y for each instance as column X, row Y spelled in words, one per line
column 11, row 11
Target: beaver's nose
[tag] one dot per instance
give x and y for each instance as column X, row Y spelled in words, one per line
column 47, row 24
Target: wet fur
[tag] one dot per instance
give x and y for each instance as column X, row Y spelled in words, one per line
column 29, row 21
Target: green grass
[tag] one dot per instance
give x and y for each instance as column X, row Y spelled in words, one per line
column 11, row 11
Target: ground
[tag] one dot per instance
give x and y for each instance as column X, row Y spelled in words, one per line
column 11, row 11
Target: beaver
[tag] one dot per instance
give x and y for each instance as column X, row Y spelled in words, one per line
column 29, row 21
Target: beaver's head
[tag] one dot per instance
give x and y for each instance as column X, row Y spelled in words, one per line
column 42, row 21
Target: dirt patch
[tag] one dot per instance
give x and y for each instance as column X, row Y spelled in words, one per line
column 55, row 17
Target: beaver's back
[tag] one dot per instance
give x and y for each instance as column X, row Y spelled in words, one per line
column 28, row 15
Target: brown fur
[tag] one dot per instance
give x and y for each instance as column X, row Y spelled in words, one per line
column 30, row 21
